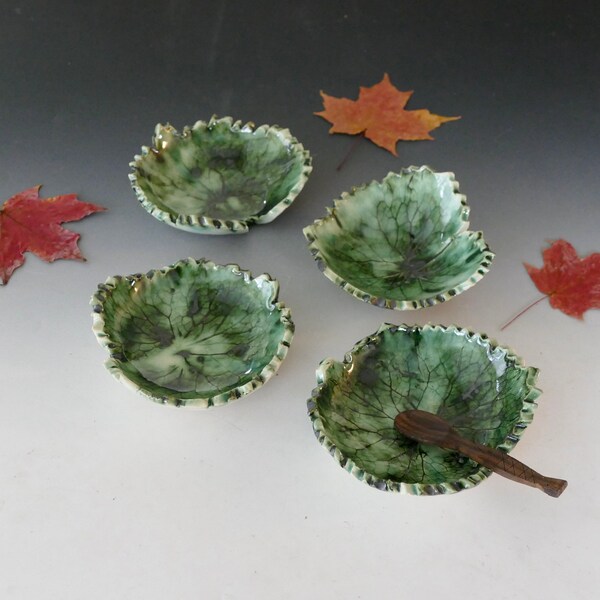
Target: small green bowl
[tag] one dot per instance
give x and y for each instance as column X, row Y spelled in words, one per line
column 221, row 176
column 194, row 333
column 480, row 388
column 401, row 243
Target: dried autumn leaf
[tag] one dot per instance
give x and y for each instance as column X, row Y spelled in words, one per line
column 571, row 283
column 379, row 113
column 31, row 224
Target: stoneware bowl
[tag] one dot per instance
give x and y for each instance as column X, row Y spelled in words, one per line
column 194, row 333
column 220, row 176
column 482, row 389
column 401, row 243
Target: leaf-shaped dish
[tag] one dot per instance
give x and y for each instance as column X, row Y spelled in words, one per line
column 194, row 333
column 402, row 243
column 220, row 176
column 480, row 388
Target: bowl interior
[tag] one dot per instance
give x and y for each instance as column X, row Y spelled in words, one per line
column 480, row 389
column 219, row 170
column 193, row 331
column 403, row 239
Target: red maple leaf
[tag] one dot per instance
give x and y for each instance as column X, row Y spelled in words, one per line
column 379, row 113
column 572, row 283
column 31, row 224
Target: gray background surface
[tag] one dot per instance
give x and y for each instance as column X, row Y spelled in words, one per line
column 106, row 495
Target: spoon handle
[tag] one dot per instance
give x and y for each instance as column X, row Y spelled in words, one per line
column 506, row 465
column 429, row 428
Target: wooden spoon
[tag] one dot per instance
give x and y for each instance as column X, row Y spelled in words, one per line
column 428, row 428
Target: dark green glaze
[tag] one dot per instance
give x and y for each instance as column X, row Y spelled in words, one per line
column 218, row 177
column 401, row 243
column 481, row 389
column 194, row 333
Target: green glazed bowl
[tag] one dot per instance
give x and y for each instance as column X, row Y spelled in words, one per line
column 482, row 389
column 402, row 243
column 194, row 333
column 220, row 176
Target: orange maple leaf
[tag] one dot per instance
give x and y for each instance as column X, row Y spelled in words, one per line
column 379, row 114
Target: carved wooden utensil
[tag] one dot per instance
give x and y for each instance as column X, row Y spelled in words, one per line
column 428, row 428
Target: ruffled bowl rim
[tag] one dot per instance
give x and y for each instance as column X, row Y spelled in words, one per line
column 199, row 223
column 113, row 363
column 487, row 256
column 526, row 414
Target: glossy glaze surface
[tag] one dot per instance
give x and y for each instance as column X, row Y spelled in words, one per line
column 220, row 176
column 401, row 243
column 480, row 388
column 195, row 333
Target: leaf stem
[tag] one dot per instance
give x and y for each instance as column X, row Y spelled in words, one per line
column 350, row 151
column 531, row 305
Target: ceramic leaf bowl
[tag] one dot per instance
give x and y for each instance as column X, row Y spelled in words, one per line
column 220, row 176
column 195, row 333
column 401, row 243
column 482, row 389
